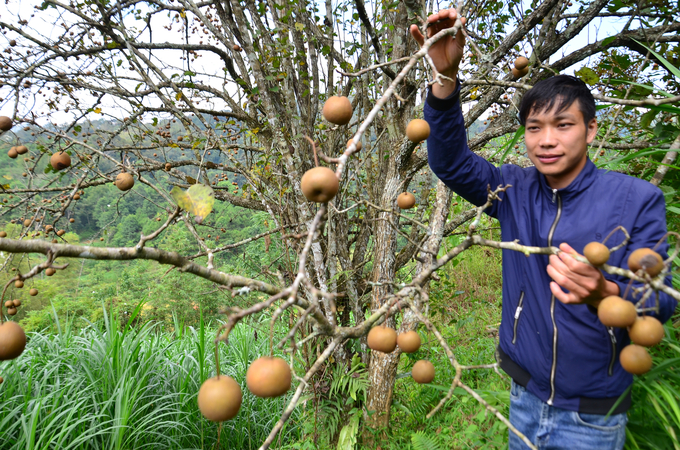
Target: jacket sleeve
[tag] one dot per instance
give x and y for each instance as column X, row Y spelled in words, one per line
column 649, row 228
column 449, row 156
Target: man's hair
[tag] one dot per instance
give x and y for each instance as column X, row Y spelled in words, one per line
column 562, row 90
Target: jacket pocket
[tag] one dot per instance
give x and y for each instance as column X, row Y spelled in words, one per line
column 518, row 312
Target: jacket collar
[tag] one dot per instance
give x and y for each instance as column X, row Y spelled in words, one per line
column 582, row 182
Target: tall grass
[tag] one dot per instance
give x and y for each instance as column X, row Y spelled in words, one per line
column 114, row 387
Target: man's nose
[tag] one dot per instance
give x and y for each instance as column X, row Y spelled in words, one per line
column 548, row 137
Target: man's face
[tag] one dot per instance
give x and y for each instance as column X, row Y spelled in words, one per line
column 557, row 143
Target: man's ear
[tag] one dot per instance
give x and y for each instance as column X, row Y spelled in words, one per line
column 591, row 131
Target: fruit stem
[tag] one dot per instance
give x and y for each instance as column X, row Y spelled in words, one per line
column 612, row 232
column 316, row 158
column 677, row 243
column 271, row 339
column 217, row 359
column 625, row 293
column 2, row 300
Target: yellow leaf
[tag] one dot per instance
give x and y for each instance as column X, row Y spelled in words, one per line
column 182, row 14
column 198, row 200
column 178, row 96
column 6, row 177
column 299, row 26
column 97, row 110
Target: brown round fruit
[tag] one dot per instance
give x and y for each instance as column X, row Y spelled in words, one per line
column 647, row 259
column 647, row 331
column 9, row 304
column 417, row 130
column 319, row 184
column 21, row 149
column 12, row 153
column 168, row 167
column 27, row 222
column 60, row 160
column 219, row 398
column 268, row 377
column 18, row 284
column 423, row 372
column 33, row 292
column 71, row 220
column 11, row 311
column 1, row 380
column 409, row 342
column 124, row 181
column 596, row 253
column 76, row 197
column 521, row 63
column 614, row 311
column 3, row 234
column 519, row 73
column 12, row 340
column 406, row 200
column 382, row 339
column 5, row 123
column 635, row 359
column 16, row 302
column 50, row 271
column 350, row 143
column 337, row 110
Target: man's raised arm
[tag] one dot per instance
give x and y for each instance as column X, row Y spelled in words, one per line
column 448, row 153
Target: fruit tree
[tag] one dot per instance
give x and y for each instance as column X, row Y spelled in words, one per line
column 303, row 110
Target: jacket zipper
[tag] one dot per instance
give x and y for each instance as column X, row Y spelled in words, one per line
column 613, row 339
column 553, row 368
column 518, row 311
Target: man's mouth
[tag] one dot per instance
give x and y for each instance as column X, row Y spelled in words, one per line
column 548, row 158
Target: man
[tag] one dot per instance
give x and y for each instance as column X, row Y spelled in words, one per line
column 563, row 361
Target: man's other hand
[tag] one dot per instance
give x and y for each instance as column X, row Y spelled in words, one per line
column 585, row 283
column 447, row 52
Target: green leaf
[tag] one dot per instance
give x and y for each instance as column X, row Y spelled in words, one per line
column 674, row 70
column 647, row 118
column 608, row 41
column 511, row 144
column 421, row 441
column 588, row 75
column 347, row 439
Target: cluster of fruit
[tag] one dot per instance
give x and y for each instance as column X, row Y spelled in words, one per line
column 614, row 311
column 384, row 339
column 521, row 67
column 320, row 184
column 220, row 397
column 62, row 160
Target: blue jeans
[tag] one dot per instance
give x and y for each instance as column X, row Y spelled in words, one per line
column 551, row 428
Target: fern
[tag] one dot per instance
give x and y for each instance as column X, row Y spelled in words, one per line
column 353, row 383
column 421, row 441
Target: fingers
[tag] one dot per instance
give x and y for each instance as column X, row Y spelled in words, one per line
column 441, row 20
column 444, row 14
column 417, row 35
column 575, row 266
column 567, row 248
column 564, row 281
column 561, row 295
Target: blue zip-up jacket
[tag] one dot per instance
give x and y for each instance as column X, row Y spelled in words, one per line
column 561, row 353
